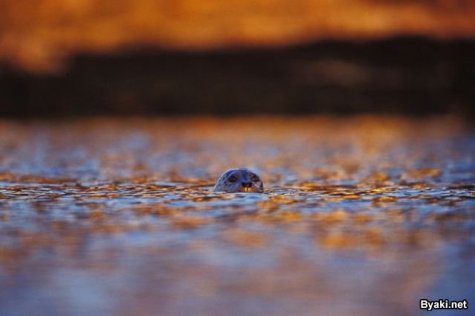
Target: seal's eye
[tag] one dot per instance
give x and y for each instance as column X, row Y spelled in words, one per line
column 232, row 179
column 254, row 178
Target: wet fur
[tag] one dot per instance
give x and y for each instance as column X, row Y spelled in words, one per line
column 244, row 181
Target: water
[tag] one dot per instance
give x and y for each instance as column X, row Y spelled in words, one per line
column 361, row 216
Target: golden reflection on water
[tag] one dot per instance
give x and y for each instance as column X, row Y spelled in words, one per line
column 361, row 215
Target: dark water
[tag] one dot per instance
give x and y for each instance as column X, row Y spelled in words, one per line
column 361, row 216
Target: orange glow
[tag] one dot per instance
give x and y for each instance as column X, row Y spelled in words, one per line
column 38, row 34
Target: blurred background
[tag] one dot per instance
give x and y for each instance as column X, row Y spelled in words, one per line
column 358, row 114
column 142, row 57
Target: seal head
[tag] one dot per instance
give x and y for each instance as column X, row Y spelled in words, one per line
column 239, row 180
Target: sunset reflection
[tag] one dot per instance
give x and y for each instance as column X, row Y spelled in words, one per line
column 126, row 206
column 118, row 117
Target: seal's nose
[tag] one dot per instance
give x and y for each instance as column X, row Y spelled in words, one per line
column 246, row 184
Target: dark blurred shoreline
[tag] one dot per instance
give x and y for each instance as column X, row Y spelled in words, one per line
column 403, row 76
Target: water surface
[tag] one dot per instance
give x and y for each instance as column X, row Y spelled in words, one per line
column 361, row 216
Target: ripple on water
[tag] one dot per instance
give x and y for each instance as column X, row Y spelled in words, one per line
column 361, row 210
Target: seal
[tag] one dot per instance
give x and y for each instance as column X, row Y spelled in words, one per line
column 239, row 180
